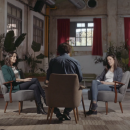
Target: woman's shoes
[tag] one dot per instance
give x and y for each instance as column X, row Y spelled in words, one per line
column 40, row 109
column 91, row 112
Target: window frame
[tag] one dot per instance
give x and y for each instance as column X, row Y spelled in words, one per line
column 86, row 27
column 38, row 28
column 10, row 16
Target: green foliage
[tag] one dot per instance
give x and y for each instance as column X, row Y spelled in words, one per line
column 10, row 44
column 20, row 39
column 121, row 53
column 36, row 46
column 40, row 56
column 31, row 60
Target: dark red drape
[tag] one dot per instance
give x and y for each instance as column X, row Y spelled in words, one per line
column 63, row 27
column 97, row 38
column 127, row 33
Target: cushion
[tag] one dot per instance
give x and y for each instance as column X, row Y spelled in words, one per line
column 4, row 89
column 21, row 95
column 108, row 96
column 1, row 78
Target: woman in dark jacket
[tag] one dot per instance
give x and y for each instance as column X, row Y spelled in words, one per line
column 11, row 73
column 105, row 80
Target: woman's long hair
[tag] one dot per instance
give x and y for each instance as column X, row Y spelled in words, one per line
column 115, row 62
column 8, row 59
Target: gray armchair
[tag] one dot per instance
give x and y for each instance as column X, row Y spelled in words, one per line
column 19, row 96
column 114, row 96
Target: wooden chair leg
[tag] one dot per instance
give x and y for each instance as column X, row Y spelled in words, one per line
column 36, row 103
column 75, row 115
column 106, row 107
column 83, row 106
column 121, row 107
column 19, row 107
column 51, row 114
column 6, row 107
column 90, row 105
column 49, row 111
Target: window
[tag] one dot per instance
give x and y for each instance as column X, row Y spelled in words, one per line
column 14, row 19
column 38, row 30
column 81, row 33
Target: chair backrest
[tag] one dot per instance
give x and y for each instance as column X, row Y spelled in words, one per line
column 3, row 87
column 63, row 91
column 125, row 80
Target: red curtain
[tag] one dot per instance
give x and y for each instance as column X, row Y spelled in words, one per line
column 63, row 27
column 127, row 33
column 97, row 38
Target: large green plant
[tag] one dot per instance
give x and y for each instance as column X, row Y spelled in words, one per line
column 121, row 53
column 33, row 60
column 10, row 43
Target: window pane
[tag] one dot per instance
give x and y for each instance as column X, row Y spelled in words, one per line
column 14, row 12
column 90, row 24
column 89, row 41
column 41, row 24
column 34, row 21
column 9, row 9
column 37, row 22
column 13, row 23
column 80, row 24
column 14, row 20
column 18, row 14
column 80, row 41
column 80, row 32
column 89, row 33
column 72, row 41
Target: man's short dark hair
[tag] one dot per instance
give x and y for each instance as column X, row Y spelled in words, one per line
column 64, row 48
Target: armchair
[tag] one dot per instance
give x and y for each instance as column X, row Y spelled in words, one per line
column 19, row 96
column 113, row 96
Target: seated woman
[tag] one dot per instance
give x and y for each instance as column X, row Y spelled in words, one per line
column 11, row 73
column 105, row 80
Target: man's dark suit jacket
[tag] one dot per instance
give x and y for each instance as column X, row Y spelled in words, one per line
column 64, row 64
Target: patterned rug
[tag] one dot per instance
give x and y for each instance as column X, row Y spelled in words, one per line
column 29, row 120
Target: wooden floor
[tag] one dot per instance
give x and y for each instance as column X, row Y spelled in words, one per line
column 29, row 120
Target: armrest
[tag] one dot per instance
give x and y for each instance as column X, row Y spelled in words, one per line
column 118, row 82
column 81, row 87
column 10, row 95
column 8, row 82
column 116, row 89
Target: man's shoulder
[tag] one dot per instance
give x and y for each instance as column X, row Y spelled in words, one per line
column 64, row 58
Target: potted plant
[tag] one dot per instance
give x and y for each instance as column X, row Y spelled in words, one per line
column 33, row 61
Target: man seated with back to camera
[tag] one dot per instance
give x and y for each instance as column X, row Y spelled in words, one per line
column 64, row 64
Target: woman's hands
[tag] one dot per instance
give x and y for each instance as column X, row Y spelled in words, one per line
column 103, row 82
column 108, row 83
column 27, row 79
